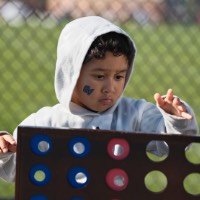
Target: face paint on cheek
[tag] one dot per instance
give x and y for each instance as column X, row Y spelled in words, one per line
column 88, row 90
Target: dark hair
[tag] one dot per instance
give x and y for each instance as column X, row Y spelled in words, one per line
column 116, row 43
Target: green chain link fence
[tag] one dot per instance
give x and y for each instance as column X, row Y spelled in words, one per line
column 166, row 33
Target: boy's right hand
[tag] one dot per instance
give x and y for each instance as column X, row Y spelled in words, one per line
column 7, row 143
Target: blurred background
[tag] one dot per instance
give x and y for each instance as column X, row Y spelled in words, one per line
column 166, row 34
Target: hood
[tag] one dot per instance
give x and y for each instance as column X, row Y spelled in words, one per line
column 73, row 44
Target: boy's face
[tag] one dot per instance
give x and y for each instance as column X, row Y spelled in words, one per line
column 101, row 82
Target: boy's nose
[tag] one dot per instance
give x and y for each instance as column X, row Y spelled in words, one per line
column 109, row 88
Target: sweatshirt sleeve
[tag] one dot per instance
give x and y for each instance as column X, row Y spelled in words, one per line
column 8, row 166
column 8, row 160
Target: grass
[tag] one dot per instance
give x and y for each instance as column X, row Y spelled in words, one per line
column 167, row 57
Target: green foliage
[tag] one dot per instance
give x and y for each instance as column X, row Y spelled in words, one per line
column 6, row 189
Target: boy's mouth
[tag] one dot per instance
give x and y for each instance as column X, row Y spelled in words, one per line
column 106, row 101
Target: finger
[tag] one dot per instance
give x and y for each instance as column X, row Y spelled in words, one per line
column 12, row 148
column 176, row 101
column 5, row 142
column 181, row 108
column 4, row 149
column 9, row 139
column 169, row 96
column 186, row 115
column 179, row 105
column 3, row 146
column 159, row 100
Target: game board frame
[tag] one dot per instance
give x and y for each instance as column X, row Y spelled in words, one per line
column 137, row 164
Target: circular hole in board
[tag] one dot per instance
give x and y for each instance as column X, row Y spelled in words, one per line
column 157, row 151
column 41, row 144
column 192, row 153
column 117, row 179
column 78, row 177
column 40, row 175
column 81, row 178
column 79, row 147
column 191, row 184
column 38, row 197
column 155, row 181
column 118, row 148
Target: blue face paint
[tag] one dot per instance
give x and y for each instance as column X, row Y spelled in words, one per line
column 87, row 89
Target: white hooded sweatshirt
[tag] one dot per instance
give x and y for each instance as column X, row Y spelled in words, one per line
column 127, row 114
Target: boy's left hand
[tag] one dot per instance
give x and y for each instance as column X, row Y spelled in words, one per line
column 172, row 105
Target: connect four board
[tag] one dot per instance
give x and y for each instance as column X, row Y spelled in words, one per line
column 82, row 164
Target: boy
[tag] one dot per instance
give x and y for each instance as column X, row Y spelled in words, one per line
column 94, row 64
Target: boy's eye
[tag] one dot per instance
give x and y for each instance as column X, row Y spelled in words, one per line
column 119, row 77
column 99, row 76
